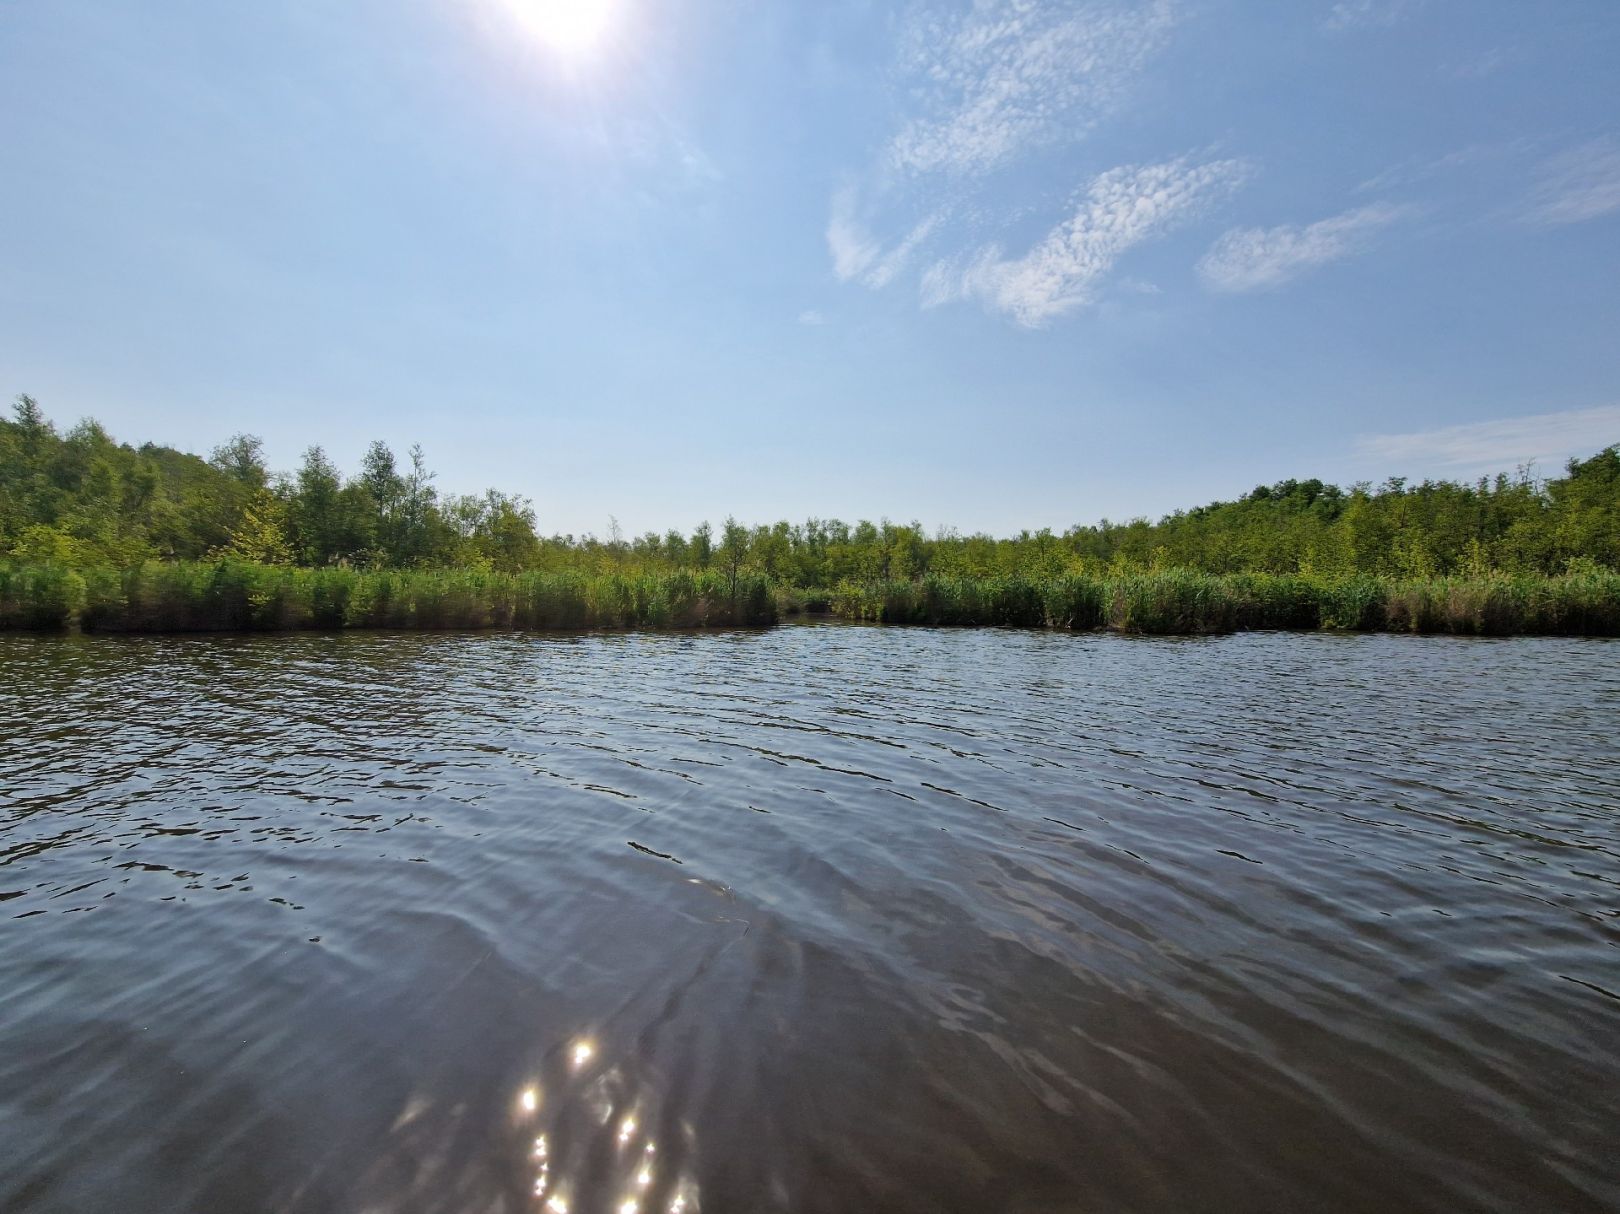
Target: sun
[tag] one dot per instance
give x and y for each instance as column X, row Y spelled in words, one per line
column 570, row 27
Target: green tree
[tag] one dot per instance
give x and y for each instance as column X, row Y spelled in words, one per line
column 733, row 548
column 261, row 533
column 318, row 522
column 702, row 546
column 242, row 459
column 384, row 491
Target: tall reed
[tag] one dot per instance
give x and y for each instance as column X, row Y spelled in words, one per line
column 1179, row 601
column 232, row 595
column 39, row 596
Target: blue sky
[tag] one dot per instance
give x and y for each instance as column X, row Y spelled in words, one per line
column 994, row 265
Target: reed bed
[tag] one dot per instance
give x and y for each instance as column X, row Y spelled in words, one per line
column 230, row 595
column 237, row 596
column 1184, row 602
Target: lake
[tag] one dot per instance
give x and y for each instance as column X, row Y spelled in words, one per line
column 821, row 918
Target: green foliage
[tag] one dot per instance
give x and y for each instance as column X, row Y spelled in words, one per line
column 260, row 534
column 231, row 595
column 42, row 545
column 1583, row 602
column 164, row 539
column 1353, row 604
column 234, row 595
column 242, row 459
column 41, row 597
column 81, row 499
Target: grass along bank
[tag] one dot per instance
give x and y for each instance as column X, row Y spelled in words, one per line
column 238, row 596
column 1584, row 602
column 234, row 595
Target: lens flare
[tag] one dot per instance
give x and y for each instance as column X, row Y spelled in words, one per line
column 570, row 27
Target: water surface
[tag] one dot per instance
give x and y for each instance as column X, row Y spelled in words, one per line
column 824, row 918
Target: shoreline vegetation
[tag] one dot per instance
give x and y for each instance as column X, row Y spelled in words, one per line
column 231, row 595
column 104, row 537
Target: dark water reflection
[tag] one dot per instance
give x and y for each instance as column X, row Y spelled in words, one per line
column 820, row 919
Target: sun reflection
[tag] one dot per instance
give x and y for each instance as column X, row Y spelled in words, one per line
column 591, row 1115
column 542, row 1178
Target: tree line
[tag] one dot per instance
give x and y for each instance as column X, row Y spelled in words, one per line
column 80, row 499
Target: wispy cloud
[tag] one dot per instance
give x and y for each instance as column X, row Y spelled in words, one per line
column 859, row 255
column 1121, row 208
column 890, row 264
column 853, row 248
column 1013, row 73
column 1258, row 259
column 1367, row 14
column 811, row 317
column 1547, row 439
column 696, row 166
column 988, row 85
column 1580, row 184
column 1425, row 168
column 1488, row 63
column 1138, row 286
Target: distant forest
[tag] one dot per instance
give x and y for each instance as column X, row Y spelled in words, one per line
column 79, row 498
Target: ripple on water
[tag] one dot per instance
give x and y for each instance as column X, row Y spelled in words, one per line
column 822, row 918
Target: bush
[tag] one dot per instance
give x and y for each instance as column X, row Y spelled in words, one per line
column 42, row 597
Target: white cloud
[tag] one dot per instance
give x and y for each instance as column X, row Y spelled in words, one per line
column 1011, row 73
column 1257, row 259
column 985, row 84
column 1122, row 208
column 1546, row 439
column 811, row 317
column 1580, row 184
column 852, row 246
column 891, row 263
column 1367, row 14
column 857, row 254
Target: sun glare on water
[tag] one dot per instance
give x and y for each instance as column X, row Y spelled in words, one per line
column 569, row 27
